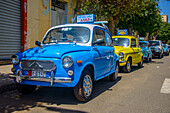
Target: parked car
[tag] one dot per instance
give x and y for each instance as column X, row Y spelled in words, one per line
column 70, row 55
column 145, row 48
column 157, row 48
column 127, row 47
column 169, row 48
column 166, row 50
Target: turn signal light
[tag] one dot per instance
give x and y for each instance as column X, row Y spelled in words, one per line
column 79, row 61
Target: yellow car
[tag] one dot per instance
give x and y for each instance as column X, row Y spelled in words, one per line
column 127, row 47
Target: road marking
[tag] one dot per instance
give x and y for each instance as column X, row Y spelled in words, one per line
column 166, row 86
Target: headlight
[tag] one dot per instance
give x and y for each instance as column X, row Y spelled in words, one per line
column 67, row 62
column 121, row 55
column 158, row 49
column 15, row 59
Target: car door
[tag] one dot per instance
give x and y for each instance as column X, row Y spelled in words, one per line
column 102, row 52
column 134, row 51
column 111, row 49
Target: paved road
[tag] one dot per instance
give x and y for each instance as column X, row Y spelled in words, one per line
column 144, row 90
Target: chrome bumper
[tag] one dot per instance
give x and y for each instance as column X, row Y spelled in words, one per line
column 122, row 61
column 55, row 79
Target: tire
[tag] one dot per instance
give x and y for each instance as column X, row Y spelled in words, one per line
column 150, row 59
column 141, row 63
column 81, row 92
column 127, row 67
column 160, row 56
column 25, row 89
column 147, row 60
column 114, row 75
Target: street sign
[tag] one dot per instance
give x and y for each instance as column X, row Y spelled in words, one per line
column 89, row 18
column 122, row 32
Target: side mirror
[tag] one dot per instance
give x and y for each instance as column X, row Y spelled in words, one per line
column 37, row 43
column 99, row 41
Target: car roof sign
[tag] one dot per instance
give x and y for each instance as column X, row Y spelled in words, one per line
column 122, row 32
column 89, row 18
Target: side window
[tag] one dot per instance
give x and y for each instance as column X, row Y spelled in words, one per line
column 133, row 43
column 97, row 35
column 109, row 39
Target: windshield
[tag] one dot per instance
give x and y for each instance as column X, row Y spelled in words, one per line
column 164, row 46
column 121, row 42
column 154, row 43
column 143, row 44
column 67, row 34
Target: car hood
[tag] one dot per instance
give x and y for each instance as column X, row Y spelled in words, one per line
column 119, row 49
column 144, row 48
column 54, row 51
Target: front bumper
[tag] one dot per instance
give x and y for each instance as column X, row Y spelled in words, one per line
column 50, row 80
column 156, row 53
column 122, row 63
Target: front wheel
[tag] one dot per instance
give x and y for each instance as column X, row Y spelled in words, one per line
column 83, row 90
column 127, row 67
column 114, row 75
column 25, row 89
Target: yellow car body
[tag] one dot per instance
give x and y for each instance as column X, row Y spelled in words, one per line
column 128, row 52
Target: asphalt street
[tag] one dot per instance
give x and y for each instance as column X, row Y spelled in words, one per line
column 144, row 90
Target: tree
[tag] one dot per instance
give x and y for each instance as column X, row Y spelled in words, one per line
column 110, row 10
column 164, row 32
column 145, row 20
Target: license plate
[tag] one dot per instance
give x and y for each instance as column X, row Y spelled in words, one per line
column 38, row 74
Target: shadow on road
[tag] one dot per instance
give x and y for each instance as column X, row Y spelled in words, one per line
column 45, row 97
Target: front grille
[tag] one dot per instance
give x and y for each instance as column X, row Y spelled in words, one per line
column 37, row 65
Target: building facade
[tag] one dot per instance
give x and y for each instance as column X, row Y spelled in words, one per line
column 22, row 22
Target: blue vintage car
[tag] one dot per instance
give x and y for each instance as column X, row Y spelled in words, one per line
column 166, row 50
column 70, row 55
column 145, row 48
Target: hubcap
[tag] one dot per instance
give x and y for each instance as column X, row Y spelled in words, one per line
column 128, row 66
column 87, row 85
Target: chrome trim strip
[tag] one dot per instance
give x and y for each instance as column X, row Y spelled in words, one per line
column 55, row 79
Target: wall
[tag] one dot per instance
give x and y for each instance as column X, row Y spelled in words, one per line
column 39, row 21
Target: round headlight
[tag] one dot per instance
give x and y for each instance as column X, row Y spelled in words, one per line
column 67, row 62
column 121, row 54
column 15, row 59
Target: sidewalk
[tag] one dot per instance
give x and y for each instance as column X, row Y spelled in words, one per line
column 6, row 84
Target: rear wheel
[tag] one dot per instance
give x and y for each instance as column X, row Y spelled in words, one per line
column 141, row 63
column 25, row 89
column 83, row 90
column 127, row 67
column 114, row 75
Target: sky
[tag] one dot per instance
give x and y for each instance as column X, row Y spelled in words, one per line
column 165, row 6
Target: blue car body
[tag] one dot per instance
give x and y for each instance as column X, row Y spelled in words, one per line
column 166, row 50
column 145, row 48
column 45, row 65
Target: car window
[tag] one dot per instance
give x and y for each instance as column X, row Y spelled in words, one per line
column 109, row 39
column 99, row 34
column 121, row 42
column 143, row 44
column 154, row 43
column 133, row 42
column 67, row 34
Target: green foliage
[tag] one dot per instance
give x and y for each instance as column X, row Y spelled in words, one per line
column 140, row 15
column 145, row 19
column 164, row 32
